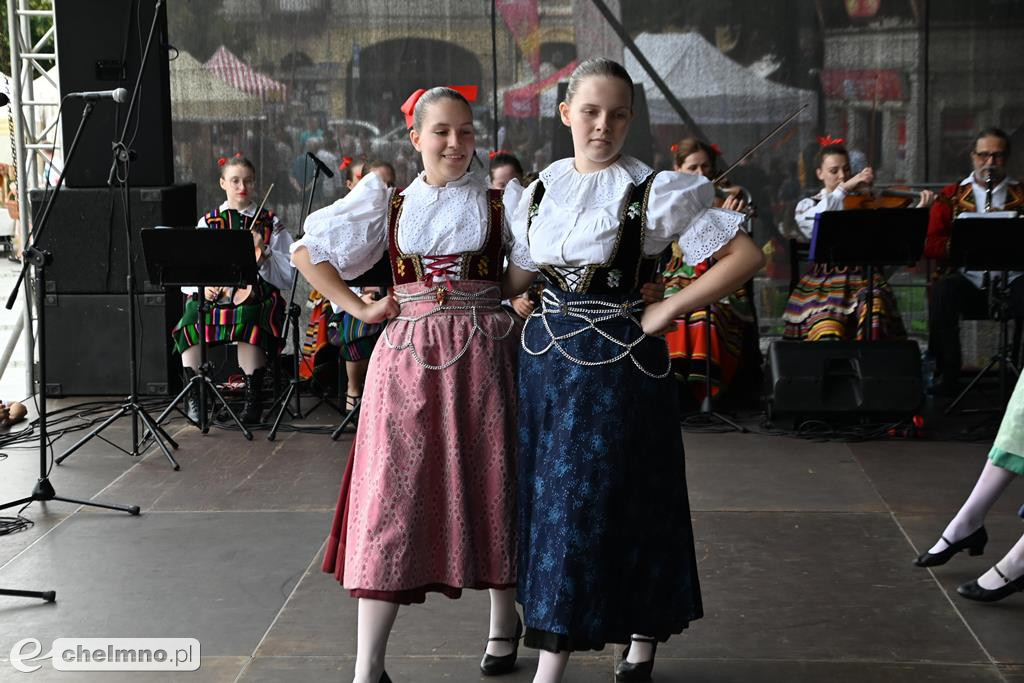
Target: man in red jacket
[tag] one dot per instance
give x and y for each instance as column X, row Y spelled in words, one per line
column 962, row 292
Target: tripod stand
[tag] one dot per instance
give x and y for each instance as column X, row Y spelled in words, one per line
column 970, row 247
column 119, row 170
column 201, row 258
column 38, row 259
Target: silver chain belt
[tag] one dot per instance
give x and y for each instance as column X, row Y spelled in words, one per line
column 447, row 300
column 593, row 312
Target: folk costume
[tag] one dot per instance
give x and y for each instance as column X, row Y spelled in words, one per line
column 427, row 500
column 830, row 302
column 259, row 320
column 963, row 292
column 733, row 327
column 605, row 540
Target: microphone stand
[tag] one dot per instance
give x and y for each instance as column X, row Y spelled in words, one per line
column 39, row 259
column 292, row 323
column 119, row 171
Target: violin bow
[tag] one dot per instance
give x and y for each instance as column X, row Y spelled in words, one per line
column 254, row 217
column 760, row 142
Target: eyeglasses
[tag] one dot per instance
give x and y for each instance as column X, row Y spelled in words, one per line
column 994, row 156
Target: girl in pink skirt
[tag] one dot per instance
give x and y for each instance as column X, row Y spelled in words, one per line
column 427, row 503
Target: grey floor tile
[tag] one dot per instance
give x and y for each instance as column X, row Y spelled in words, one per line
column 217, row 577
column 704, row 671
column 211, row 670
column 997, row 625
column 754, row 472
column 816, row 587
column 223, row 471
column 923, row 477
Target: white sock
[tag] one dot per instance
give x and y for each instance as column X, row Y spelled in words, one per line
column 1012, row 565
column 551, row 667
column 991, row 483
column 639, row 651
column 376, row 618
column 504, row 620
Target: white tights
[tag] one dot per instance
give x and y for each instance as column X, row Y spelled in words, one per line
column 250, row 358
column 992, row 482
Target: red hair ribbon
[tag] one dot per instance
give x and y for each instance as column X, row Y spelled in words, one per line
column 345, row 163
column 238, row 155
column 717, row 150
column 222, row 161
column 496, row 152
column 826, row 140
column 467, row 91
column 674, row 148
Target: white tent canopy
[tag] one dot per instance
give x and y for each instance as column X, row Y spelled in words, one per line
column 713, row 88
column 199, row 95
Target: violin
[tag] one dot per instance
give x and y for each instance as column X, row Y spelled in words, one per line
column 883, row 198
column 236, row 296
column 724, row 190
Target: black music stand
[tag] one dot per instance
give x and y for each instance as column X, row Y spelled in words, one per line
column 970, row 247
column 378, row 276
column 869, row 239
column 200, row 258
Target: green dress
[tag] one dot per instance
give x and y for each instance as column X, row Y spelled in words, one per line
column 1008, row 450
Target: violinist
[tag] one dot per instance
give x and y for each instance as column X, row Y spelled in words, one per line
column 733, row 324
column 252, row 318
column 831, row 302
column 962, row 293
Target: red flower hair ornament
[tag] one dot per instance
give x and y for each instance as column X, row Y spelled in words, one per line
column 826, row 140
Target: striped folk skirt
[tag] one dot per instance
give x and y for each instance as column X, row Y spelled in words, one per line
column 831, row 303
column 427, row 503
column 259, row 321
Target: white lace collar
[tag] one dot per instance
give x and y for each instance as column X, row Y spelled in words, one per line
column 427, row 193
column 570, row 188
column 247, row 211
column 969, row 180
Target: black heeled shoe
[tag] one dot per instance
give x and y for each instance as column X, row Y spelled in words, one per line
column 972, row 591
column 492, row 665
column 640, row 671
column 973, row 544
column 384, row 678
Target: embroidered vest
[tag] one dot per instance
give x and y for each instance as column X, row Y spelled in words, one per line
column 963, row 199
column 483, row 264
column 628, row 268
column 232, row 219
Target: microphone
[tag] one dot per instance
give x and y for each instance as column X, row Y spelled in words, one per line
column 118, row 95
column 321, row 165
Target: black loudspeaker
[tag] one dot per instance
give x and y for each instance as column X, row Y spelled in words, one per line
column 101, row 44
column 87, row 344
column 85, row 234
column 841, row 380
column 639, row 143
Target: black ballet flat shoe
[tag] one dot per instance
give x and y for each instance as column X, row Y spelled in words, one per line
column 492, row 665
column 640, row 671
column 384, row 678
column 973, row 544
column 972, row 591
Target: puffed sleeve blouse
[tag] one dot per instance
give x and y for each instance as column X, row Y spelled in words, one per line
column 351, row 233
column 578, row 219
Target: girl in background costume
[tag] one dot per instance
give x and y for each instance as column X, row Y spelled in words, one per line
column 733, row 323
column 830, row 302
column 606, row 550
column 255, row 323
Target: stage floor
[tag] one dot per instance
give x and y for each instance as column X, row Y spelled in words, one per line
column 804, row 550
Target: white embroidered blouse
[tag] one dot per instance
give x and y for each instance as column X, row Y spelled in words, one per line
column 578, row 218
column 352, row 233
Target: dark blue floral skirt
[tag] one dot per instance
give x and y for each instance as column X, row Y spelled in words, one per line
column 605, row 540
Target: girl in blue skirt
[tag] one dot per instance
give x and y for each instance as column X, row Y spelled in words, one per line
column 606, row 550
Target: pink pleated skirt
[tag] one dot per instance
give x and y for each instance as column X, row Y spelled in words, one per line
column 427, row 500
